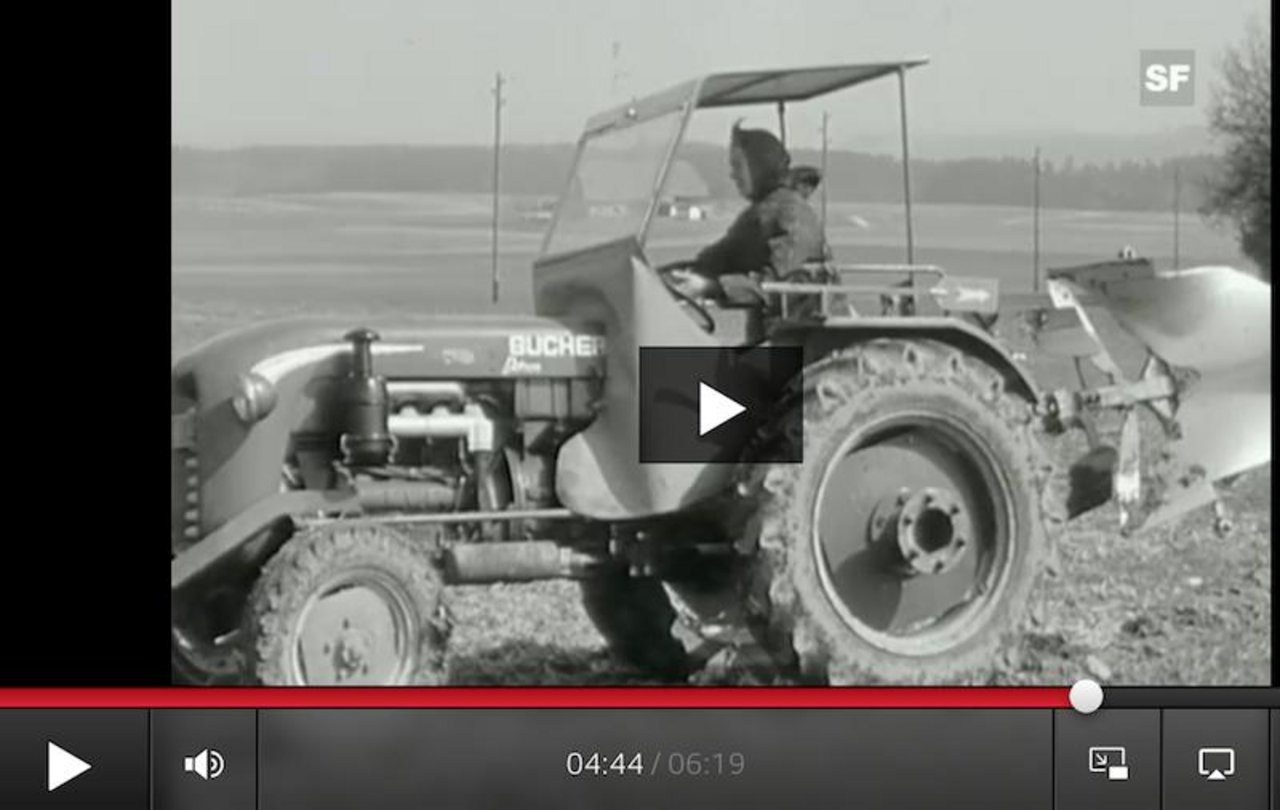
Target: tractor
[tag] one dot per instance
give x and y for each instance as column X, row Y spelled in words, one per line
column 331, row 479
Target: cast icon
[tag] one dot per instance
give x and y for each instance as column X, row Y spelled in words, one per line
column 1216, row 764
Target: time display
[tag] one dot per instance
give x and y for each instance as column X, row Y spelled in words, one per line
column 657, row 763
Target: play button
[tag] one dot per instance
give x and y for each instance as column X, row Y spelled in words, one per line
column 63, row 766
column 74, row 759
column 708, row 405
column 714, row 409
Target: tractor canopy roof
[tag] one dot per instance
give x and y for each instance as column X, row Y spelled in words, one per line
column 742, row 88
column 634, row 144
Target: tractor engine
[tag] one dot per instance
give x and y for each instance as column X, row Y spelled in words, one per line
column 413, row 448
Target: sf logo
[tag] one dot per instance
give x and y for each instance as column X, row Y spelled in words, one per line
column 1167, row 78
column 1162, row 78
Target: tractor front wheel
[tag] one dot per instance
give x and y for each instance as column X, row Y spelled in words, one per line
column 348, row 604
column 905, row 548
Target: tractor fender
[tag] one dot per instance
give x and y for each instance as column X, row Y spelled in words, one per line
column 821, row 339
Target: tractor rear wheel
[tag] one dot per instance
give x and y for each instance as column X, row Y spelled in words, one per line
column 906, row 547
column 348, row 604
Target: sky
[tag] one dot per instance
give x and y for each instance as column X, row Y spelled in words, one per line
column 414, row 72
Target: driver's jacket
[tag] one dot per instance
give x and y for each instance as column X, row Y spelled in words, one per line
column 772, row 238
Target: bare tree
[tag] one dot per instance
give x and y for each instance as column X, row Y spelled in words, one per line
column 1240, row 115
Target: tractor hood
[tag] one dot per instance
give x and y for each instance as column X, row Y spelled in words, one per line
column 455, row 347
column 222, row 465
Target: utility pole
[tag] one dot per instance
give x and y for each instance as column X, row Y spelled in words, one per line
column 906, row 163
column 498, row 101
column 824, row 179
column 1177, row 212
column 1035, row 226
column 617, row 72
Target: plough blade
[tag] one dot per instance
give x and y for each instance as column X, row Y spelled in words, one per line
column 1207, row 377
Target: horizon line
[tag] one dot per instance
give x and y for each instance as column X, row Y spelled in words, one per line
column 571, row 145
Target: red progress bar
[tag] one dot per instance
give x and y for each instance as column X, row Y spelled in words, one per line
column 540, row 697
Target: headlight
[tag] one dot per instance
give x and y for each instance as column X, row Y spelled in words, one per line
column 253, row 399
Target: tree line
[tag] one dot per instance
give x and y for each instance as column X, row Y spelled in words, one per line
column 540, row 170
column 1239, row 192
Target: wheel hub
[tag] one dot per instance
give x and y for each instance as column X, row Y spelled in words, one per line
column 928, row 527
column 354, row 634
column 351, row 652
column 910, row 531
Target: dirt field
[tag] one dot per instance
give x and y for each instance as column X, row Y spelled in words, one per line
column 1178, row 606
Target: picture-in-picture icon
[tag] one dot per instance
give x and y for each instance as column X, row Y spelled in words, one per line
column 1111, row 760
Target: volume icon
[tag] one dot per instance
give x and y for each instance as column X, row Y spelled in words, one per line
column 207, row 764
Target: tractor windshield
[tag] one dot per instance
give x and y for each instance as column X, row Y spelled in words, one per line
column 613, row 183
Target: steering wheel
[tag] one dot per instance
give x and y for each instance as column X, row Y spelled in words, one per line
column 705, row 284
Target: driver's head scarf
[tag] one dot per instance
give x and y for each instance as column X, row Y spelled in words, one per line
column 767, row 159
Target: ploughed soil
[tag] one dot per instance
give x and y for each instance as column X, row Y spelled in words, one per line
column 1175, row 606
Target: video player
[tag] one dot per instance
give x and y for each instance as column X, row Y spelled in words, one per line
column 665, row 404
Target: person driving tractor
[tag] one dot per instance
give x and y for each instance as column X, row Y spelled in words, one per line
column 778, row 232
column 805, row 179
